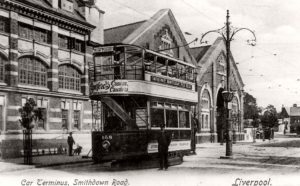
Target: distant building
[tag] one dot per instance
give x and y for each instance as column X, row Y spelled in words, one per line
column 294, row 119
column 44, row 55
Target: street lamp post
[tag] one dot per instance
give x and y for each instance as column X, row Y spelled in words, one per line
column 227, row 32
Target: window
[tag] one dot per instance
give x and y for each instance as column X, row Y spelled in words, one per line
column 69, row 78
column 166, row 43
column 64, row 42
column 67, row 42
column 221, row 64
column 205, row 110
column 4, row 24
column 76, row 119
column 26, row 31
column 32, row 72
column 79, row 46
column 41, row 35
column 30, row 32
column 184, row 119
column 41, row 123
column 2, row 68
column 76, row 114
column 170, row 114
column 171, row 118
column 64, row 118
column 66, row 5
column 157, row 117
column 206, row 121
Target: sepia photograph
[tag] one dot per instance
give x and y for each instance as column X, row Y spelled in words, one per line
column 149, row 93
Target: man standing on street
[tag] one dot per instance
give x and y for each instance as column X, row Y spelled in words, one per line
column 164, row 141
column 71, row 142
column 195, row 124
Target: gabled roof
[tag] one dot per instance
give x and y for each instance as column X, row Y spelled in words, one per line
column 204, row 57
column 130, row 33
column 45, row 5
column 198, row 52
column 119, row 33
column 295, row 111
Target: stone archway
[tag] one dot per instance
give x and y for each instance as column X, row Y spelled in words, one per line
column 220, row 118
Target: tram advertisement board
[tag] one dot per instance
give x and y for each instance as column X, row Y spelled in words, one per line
column 110, row 86
column 174, row 146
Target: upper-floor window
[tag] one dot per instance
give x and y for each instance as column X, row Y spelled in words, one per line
column 4, row 24
column 166, row 43
column 79, row 45
column 38, row 34
column 69, row 78
column 42, row 35
column 32, row 72
column 67, row 42
column 2, row 68
column 221, row 64
column 64, row 41
column 66, row 5
column 26, row 31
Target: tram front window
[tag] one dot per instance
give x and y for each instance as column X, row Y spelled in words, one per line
column 157, row 117
column 184, row 119
column 171, row 118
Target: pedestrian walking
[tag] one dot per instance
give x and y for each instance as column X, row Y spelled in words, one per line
column 71, row 142
column 164, row 141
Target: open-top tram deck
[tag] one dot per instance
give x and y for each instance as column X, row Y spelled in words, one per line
column 133, row 91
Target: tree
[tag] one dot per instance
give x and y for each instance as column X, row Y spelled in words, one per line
column 29, row 114
column 251, row 110
column 269, row 117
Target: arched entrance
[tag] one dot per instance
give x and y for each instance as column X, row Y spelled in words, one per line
column 221, row 120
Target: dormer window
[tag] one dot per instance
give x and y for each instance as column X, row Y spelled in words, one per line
column 166, row 43
column 66, row 5
column 221, row 64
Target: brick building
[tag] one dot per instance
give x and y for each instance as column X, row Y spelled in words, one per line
column 44, row 55
column 211, row 82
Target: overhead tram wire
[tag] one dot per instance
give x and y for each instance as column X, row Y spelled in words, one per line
column 201, row 13
column 133, row 9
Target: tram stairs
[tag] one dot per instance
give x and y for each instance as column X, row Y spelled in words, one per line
column 119, row 111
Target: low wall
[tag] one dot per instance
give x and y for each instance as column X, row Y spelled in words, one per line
column 12, row 147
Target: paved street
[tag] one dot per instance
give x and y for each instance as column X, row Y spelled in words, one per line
column 260, row 160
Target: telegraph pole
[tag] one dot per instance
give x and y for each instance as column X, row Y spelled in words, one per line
column 227, row 32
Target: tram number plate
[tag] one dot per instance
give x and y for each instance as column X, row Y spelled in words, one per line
column 107, row 137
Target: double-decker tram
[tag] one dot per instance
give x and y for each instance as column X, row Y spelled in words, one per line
column 133, row 91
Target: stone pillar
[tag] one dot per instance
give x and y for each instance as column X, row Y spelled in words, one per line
column 11, row 68
column 53, row 70
column 199, row 106
column 242, row 111
column 88, row 58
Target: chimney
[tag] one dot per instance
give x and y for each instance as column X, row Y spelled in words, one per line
column 94, row 16
column 294, row 105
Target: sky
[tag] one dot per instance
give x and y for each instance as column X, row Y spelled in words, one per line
column 270, row 70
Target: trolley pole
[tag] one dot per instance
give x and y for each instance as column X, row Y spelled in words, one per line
column 227, row 32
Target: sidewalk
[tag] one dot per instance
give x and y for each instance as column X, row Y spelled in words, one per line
column 41, row 161
column 267, row 152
